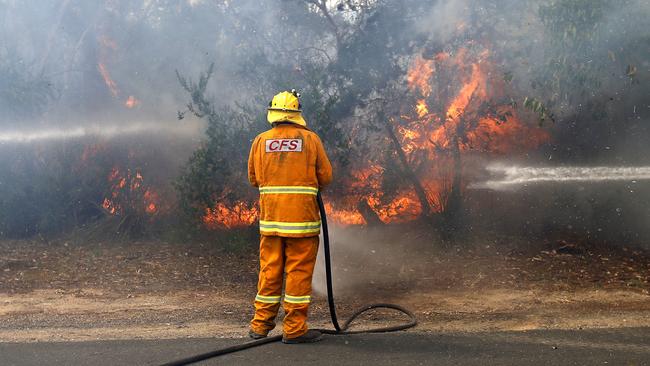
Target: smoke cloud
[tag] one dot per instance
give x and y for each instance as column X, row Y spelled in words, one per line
column 76, row 70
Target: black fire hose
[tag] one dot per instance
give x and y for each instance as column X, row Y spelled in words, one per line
column 338, row 330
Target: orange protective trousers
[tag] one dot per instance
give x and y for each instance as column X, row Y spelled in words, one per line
column 296, row 257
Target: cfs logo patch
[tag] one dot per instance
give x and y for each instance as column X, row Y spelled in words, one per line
column 284, row 145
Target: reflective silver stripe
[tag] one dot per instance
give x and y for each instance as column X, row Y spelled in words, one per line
column 268, row 299
column 297, row 299
column 290, row 227
column 289, row 190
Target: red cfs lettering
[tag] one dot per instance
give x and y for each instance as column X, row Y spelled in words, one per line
column 283, row 145
column 273, row 145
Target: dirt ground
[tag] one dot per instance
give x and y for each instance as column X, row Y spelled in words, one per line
column 69, row 291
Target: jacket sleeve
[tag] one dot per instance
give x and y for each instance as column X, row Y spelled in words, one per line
column 323, row 165
column 251, row 163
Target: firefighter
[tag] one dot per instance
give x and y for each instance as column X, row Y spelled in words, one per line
column 289, row 165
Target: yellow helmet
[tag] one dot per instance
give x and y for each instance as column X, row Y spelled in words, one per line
column 285, row 107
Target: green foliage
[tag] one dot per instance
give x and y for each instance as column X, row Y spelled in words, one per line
column 321, row 110
column 573, row 23
column 217, row 170
column 538, row 107
column 573, row 62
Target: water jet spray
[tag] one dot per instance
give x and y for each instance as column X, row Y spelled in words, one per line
column 22, row 137
column 509, row 177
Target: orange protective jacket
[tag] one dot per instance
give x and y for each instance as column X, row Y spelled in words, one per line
column 289, row 164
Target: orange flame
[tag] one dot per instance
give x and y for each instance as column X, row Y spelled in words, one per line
column 410, row 139
column 427, row 140
column 458, row 105
column 223, row 216
column 428, row 136
column 128, row 189
column 347, row 217
column 109, row 206
column 108, row 46
column 403, row 208
column 131, row 102
column 112, row 86
column 419, row 75
column 151, row 201
column 421, row 108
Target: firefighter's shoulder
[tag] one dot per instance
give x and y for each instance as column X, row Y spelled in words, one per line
column 263, row 135
column 313, row 137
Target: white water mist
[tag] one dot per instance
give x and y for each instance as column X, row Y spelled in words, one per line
column 509, row 177
column 98, row 130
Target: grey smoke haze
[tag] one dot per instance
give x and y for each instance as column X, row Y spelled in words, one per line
column 139, row 45
column 516, row 30
column 443, row 18
column 142, row 43
column 73, row 45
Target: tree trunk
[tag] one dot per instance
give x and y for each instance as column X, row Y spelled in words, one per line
column 408, row 172
column 453, row 207
column 368, row 214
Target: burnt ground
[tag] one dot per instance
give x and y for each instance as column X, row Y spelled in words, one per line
column 68, row 291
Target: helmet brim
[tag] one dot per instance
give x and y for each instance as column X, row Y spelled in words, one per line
column 279, row 115
column 283, row 109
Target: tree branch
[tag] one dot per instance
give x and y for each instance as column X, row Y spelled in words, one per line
column 322, row 6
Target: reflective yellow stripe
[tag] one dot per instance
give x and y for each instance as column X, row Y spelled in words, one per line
column 289, row 231
column 289, row 190
column 297, row 299
column 285, row 231
column 290, row 227
column 290, row 224
column 268, row 299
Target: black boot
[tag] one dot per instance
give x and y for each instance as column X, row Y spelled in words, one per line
column 254, row 335
column 311, row 336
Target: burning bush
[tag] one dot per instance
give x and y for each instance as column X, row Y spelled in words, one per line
column 97, row 186
column 408, row 97
column 133, row 202
column 213, row 188
column 45, row 190
column 401, row 151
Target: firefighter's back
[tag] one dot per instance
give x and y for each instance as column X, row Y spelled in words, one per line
column 287, row 157
column 288, row 166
